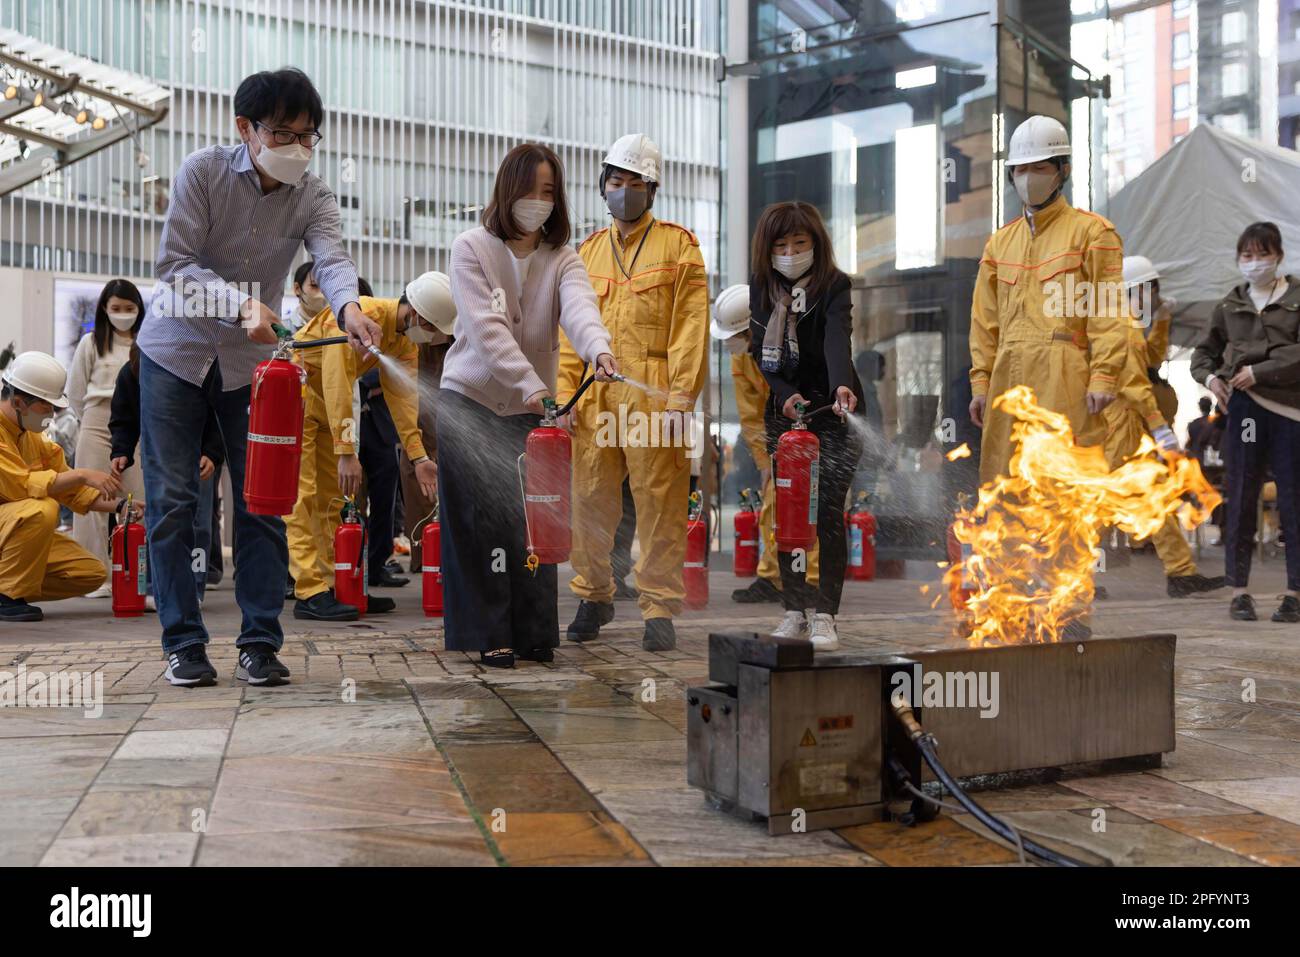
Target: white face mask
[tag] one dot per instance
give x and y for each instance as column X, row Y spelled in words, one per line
column 123, row 321
column 417, row 333
column 34, row 421
column 737, row 345
column 531, row 214
column 792, row 267
column 1033, row 187
column 1259, row 272
column 284, row 163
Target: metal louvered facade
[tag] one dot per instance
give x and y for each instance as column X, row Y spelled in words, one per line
column 422, row 98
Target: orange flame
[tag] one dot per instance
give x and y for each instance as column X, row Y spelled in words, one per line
column 960, row 452
column 1031, row 539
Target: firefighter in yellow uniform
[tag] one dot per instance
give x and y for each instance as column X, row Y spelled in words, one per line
column 731, row 325
column 330, row 467
column 1141, row 274
column 1136, row 412
column 36, row 562
column 1048, row 307
column 654, row 300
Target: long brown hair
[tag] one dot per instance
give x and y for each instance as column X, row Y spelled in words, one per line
column 515, row 178
column 782, row 219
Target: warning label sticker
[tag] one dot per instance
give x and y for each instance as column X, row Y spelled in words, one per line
column 836, row 722
column 824, row 779
column 807, row 741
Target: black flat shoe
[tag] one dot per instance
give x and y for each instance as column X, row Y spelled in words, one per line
column 542, row 655
column 16, row 609
column 500, row 658
column 324, row 607
column 1242, row 608
column 388, row 579
column 759, row 590
column 379, row 605
column 1289, row 610
column 587, row 622
column 1180, row 586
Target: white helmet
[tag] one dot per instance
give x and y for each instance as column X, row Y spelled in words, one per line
column 39, row 375
column 1138, row 269
column 1038, row 138
column 430, row 295
column 730, row 312
column 638, row 154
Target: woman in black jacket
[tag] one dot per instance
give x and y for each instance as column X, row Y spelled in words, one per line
column 124, row 432
column 801, row 327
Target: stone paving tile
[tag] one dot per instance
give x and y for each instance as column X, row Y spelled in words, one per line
column 174, row 744
column 36, row 722
column 641, row 765
column 1151, row 797
column 567, row 839
column 525, row 791
column 1263, row 839
column 29, row 823
column 335, row 729
column 111, row 810
column 123, row 850
column 449, row 844
column 283, row 792
column 533, row 757
column 1127, row 841
column 557, row 728
column 939, row 843
column 1275, row 796
column 190, row 772
column 1198, row 760
column 51, row 766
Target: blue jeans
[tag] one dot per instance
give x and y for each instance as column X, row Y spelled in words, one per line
column 202, row 536
column 172, row 416
column 1274, row 444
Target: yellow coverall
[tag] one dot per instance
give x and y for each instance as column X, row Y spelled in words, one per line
column 751, row 398
column 1157, row 347
column 1134, row 413
column 36, row 562
column 657, row 316
column 329, row 431
column 1049, row 311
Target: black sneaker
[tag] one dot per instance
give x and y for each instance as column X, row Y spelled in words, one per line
column 660, row 635
column 258, row 665
column 1242, row 608
column 378, row 605
column 387, row 578
column 1289, row 610
column 591, row 615
column 1180, row 586
column 190, row 667
column 625, row 592
column 17, row 609
column 289, row 588
column 324, row 607
column 759, row 590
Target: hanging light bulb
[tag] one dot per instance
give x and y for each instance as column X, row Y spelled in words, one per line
column 11, row 91
column 98, row 123
column 83, row 115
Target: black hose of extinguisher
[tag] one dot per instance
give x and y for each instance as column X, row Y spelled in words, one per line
column 564, row 410
column 926, row 744
column 313, row 343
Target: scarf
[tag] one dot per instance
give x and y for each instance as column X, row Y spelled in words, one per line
column 780, row 344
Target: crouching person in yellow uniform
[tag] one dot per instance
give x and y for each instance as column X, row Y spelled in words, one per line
column 331, row 469
column 654, row 301
column 36, row 562
column 731, row 325
column 1135, row 412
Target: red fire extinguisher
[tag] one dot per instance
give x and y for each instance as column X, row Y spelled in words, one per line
column 744, row 562
column 959, row 579
column 695, row 573
column 862, row 540
column 275, row 414
column 350, row 578
column 130, row 566
column 544, row 478
column 798, row 454
column 431, row 565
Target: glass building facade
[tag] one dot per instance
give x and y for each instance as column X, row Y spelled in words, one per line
column 422, row 97
column 891, row 118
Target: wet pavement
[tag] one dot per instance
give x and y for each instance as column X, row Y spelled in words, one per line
column 386, row 749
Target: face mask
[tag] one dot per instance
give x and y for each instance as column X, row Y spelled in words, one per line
column 34, row 421
column 1260, row 272
column 417, row 333
column 123, row 321
column 626, row 203
column 284, row 163
column 311, row 305
column 737, row 345
column 792, row 267
column 531, row 214
column 1034, row 187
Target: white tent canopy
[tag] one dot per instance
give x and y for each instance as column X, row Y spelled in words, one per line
column 1185, row 212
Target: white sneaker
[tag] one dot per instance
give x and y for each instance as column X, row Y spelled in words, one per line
column 103, row 591
column 823, row 635
column 793, row 625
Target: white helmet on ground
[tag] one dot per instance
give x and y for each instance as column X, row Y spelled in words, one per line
column 1038, row 138
column 1139, row 269
column 638, row 154
column 430, row 295
column 730, row 312
column 39, row 375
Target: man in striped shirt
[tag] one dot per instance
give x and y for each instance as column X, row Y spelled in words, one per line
column 237, row 217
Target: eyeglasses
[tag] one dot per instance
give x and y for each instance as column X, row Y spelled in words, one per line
column 288, row 137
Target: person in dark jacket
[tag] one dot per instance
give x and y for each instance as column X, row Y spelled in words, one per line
column 1206, row 432
column 378, row 455
column 124, row 433
column 801, row 328
column 1249, row 357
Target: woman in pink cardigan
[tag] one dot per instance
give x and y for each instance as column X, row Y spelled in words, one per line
column 516, row 283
